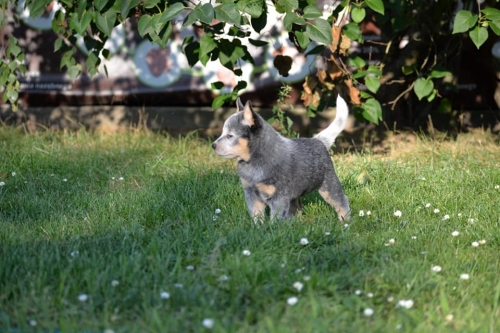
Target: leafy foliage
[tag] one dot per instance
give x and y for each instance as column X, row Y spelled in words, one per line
column 227, row 23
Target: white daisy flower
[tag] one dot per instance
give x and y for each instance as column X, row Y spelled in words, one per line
column 369, row 213
column 121, row 178
column 398, row 213
column 208, row 323
column 190, row 267
column 328, row 233
column 390, row 299
column 32, row 322
column 482, row 242
column 74, row 253
column 436, row 268
column 164, row 295
column 114, row 283
column 83, row 297
column 246, row 253
column 223, row 278
column 436, row 211
column 392, row 241
column 298, row 285
column 217, row 211
column 497, row 187
column 464, row 276
column 459, row 215
column 2, row 183
column 304, row 241
column 448, row 318
column 368, row 312
column 358, row 292
column 471, row 220
column 446, row 217
column 346, row 225
column 455, row 233
column 292, row 300
column 306, row 278
column 361, row 213
column 408, row 303
column 369, row 295
column 413, row 237
column 427, row 205
column 13, row 173
column 475, row 244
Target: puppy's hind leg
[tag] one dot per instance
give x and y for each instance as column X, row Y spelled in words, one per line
column 331, row 191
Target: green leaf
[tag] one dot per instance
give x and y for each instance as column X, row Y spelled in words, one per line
column 290, row 19
column 320, row 31
column 254, row 8
column 172, row 12
column 192, row 51
column 352, row 31
column 315, row 50
column 283, row 6
column 258, row 23
column 80, row 24
column 217, row 85
column 240, row 86
column 151, row 3
column 311, row 12
column 204, row 13
column 432, row 95
column 220, row 100
column 374, row 70
column 190, row 19
column 92, row 63
column 372, row 111
column 126, row 6
column 100, row 4
column 407, row 70
column 74, row 71
column 106, row 21
column 144, row 25
column 207, row 45
column 257, row 43
column 438, row 72
column 479, row 35
column 358, row 14
column 423, row 87
column 492, row 14
column 372, row 83
column 228, row 12
column 302, row 38
column 376, row 5
column 57, row 44
column 461, row 23
column 495, row 27
column 13, row 48
column 163, row 36
column 58, row 21
column 357, row 62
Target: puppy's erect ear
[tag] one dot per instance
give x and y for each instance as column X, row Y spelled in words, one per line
column 248, row 115
column 239, row 105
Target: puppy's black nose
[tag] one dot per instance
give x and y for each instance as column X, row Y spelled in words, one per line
column 214, row 145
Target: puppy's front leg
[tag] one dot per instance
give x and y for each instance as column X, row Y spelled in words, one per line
column 256, row 207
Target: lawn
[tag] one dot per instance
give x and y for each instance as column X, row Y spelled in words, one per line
column 139, row 232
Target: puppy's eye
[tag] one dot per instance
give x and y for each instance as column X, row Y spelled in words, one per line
column 229, row 136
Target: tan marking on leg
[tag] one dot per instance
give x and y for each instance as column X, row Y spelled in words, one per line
column 244, row 182
column 341, row 212
column 241, row 150
column 268, row 190
column 258, row 211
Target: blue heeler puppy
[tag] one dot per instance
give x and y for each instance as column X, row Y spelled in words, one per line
column 276, row 171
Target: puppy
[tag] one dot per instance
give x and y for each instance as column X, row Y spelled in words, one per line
column 276, row 171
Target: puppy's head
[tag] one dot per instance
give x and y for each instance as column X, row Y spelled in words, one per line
column 237, row 132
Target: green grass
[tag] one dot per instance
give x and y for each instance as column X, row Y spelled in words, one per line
column 60, row 239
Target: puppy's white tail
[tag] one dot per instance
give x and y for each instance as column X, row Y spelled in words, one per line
column 329, row 134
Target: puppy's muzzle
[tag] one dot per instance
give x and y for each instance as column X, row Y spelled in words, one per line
column 214, row 145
